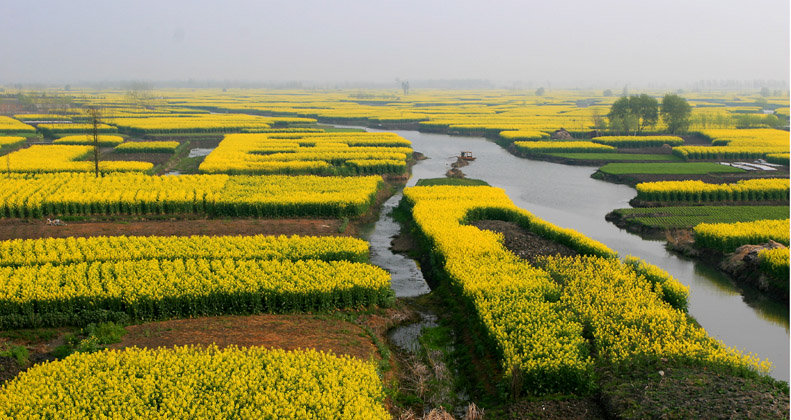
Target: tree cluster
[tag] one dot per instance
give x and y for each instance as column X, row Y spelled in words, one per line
column 633, row 114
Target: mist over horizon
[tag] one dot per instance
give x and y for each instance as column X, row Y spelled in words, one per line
column 307, row 44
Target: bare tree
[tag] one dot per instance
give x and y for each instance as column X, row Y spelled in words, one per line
column 599, row 123
column 95, row 116
column 405, row 87
column 139, row 93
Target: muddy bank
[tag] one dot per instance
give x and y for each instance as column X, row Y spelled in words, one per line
column 628, row 223
column 742, row 266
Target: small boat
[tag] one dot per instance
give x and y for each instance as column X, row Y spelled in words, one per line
column 466, row 155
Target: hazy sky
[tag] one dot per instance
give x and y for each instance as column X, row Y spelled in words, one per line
column 560, row 41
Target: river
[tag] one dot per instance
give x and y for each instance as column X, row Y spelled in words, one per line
column 567, row 196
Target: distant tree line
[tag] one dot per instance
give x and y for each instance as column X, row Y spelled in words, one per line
column 634, row 114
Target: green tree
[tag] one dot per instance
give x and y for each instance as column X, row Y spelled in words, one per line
column 634, row 113
column 539, row 91
column 619, row 115
column 771, row 120
column 646, row 109
column 676, row 112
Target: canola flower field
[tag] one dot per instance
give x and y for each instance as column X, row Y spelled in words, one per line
column 8, row 143
column 549, row 324
column 535, row 320
column 147, row 147
column 726, row 237
column 213, row 195
column 309, row 153
column 531, row 147
column 775, row 263
column 638, row 141
column 10, row 125
column 62, row 128
column 57, row 251
column 75, row 281
column 65, row 158
column 145, row 290
column 200, row 123
column 85, row 140
column 193, row 382
column 699, row 191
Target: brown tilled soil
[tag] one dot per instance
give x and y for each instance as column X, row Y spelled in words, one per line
column 26, row 229
column 284, row 331
column 341, row 333
column 290, row 332
column 525, row 244
column 155, row 158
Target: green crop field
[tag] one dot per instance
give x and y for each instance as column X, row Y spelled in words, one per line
column 617, row 156
column 687, row 217
column 694, row 168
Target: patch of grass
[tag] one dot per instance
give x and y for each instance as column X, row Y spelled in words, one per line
column 179, row 155
column 18, row 353
column 106, row 332
column 189, row 165
column 691, row 168
column 673, row 389
column 451, row 181
column 38, row 335
column 92, row 338
column 436, row 338
column 617, row 156
column 381, row 347
column 344, row 225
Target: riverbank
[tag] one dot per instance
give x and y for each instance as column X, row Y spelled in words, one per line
column 742, row 265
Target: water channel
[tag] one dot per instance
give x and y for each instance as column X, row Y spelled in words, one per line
column 567, row 196
column 405, row 276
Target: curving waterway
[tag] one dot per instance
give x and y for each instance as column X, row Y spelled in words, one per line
column 567, row 196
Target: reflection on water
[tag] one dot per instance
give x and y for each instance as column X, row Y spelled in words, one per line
column 406, row 337
column 567, row 196
column 199, row 152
